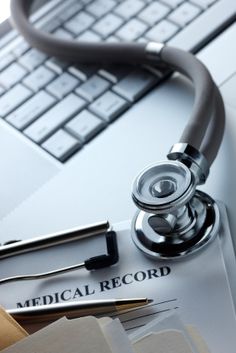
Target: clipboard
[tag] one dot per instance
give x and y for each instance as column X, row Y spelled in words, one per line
column 199, row 288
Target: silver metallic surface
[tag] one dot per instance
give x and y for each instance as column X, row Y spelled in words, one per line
column 153, row 50
column 74, row 309
column 163, row 187
column 192, row 158
column 42, row 275
column 163, row 224
column 67, row 236
column 201, row 229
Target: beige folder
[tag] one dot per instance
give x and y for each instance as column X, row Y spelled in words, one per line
column 10, row 330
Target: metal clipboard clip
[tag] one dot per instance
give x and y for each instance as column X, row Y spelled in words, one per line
column 43, row 242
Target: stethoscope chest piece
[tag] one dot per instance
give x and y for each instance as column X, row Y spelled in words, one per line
column 174, row 219
column 162, row 187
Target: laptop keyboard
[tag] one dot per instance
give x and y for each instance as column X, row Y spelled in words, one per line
column 61, row 106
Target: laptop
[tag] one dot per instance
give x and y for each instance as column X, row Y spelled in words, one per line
column 74, row 136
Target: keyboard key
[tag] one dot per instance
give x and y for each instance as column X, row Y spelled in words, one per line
column 70, row 10
column 61, row 145
column 63, row 34
column 89, row 36
column 107, row 25
column 13, row 98
column 32, row 59
column 162, row 32
column 129, row 8
column 12, row 75
column 31, row 110
column 184, row 14
column 85, row 125
column 54, row 118
column 109, row 106
column 93, row 88
column 160, row 72
column 203, row 3
column 83, row 71
column 79, row 23
column 86, row 2
column 154, row 13
column 51, row 25
column 39, row 78
column 57, row 65
column 173, row 3
column 135, row 84
column 131, row 30
column 6, row 61
column 142, row 40
column 99, row 8
column 115, row 73
column 112, row 39
column 62, row 85
column 21, row 48
column 2, row 90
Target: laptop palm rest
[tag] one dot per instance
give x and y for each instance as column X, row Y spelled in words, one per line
column 23, row 170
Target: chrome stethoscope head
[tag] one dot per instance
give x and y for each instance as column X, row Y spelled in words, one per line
column 174, row 219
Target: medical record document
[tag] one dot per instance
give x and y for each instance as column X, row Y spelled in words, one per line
column 197, row 288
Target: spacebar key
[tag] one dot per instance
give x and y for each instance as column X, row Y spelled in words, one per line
column 54, row 118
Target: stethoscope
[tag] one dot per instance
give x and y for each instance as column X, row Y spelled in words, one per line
column 174, row 218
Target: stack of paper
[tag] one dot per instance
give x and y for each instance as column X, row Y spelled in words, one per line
column 92, row 335
column 168, row 335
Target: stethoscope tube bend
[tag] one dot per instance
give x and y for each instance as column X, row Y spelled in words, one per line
column 165, row 191
column 204, row 115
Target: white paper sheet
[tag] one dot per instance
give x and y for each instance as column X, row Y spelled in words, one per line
column 168, row 322
column 171, row 341
column 197, row 288
column 80, row 335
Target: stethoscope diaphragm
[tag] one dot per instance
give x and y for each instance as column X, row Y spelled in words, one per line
column 161, row 187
